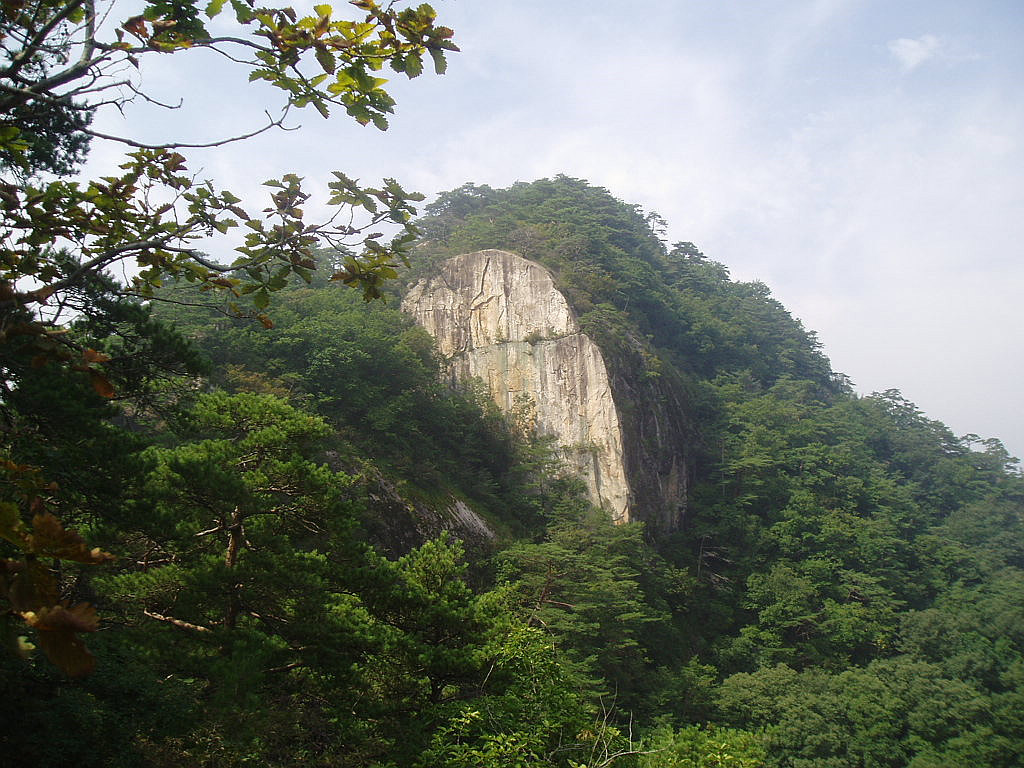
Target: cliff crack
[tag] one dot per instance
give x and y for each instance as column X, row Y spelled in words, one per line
column 483, row 279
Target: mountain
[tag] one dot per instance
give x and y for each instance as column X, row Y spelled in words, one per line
column 665, row 322
column 570, row 496
column 818, row 527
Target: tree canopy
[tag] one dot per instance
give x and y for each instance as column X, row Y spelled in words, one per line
column 60, row 62
column 63, row 61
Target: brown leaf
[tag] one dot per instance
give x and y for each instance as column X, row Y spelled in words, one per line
column 102, row 384
column 64, row 618
column 66, row 650
column 322, row 25
column 32, row 587
column 92, row 356
column 136, row 25
column 49, row 538
column 344, row 275
column 174, row 161
column 40, row 295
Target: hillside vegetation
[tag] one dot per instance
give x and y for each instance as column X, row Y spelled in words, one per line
column 842, row 587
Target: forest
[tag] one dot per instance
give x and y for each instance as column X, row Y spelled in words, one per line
column 223, row 488
column 844, row 591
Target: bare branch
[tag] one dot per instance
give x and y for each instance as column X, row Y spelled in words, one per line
column 33, row 44
column 176, row 622
column 151, row 100
column 208, row 42
column 40, row 90
column 89, row 44
column 179, row 302
column 273, row 123
column 112, row 255
column 70, row 74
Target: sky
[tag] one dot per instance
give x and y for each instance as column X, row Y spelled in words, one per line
column 863, row 158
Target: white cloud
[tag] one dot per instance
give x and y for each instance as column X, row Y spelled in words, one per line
column 912, row 53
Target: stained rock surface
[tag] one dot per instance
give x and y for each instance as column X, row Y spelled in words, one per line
column 499, row 317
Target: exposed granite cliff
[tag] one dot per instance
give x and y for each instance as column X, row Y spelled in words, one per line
column 499, row 317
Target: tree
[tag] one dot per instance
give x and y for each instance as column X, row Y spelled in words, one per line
column 252, row 562
column 597, row 588
column 62, row 61
column 705, row 747
column 374, row 375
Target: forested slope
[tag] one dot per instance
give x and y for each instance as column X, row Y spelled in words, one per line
column 842, row 586
column 849, row 564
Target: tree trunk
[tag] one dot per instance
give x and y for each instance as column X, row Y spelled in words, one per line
column 230, row 560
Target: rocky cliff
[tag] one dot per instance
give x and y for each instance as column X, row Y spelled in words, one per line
column 499, row 317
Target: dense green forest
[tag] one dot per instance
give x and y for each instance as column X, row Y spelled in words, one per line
column 244, row 520
column 843, row 590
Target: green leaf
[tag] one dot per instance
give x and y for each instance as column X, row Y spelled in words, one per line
column 413, row 65
column 440, row 63
column 280, row 279
column 214, row 8
column 326, row 60
column 261, row 299
column 11, row 526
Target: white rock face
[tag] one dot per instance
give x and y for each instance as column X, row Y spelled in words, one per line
column 498, row 317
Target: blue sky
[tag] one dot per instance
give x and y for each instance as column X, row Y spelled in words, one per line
column 863, row 158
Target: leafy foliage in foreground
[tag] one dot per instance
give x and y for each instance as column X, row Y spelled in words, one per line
column 60, row 62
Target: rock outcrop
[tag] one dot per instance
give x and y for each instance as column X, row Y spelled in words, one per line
column 499, row 317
